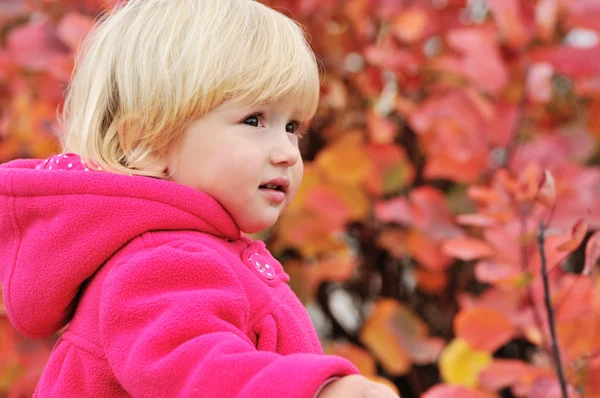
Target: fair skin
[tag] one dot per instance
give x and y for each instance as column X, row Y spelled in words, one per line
column 232, row 153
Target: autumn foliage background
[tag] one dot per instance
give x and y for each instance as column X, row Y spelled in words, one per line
column 447, row 130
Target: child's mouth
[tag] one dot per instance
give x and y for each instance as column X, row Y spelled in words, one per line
column 272, row 186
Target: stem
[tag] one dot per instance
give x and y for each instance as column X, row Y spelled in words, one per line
column 524, row 261
column 550, row 311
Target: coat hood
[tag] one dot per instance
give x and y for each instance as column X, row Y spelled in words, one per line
column 60, row 222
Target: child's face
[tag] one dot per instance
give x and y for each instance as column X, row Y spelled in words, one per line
column 233, row 151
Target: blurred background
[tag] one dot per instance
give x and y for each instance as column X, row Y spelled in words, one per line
column 447, row 130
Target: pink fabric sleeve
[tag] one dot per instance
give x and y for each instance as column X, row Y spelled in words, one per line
column 172, row 321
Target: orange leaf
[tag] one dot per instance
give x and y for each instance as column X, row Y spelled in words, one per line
column 381, row 129
column 547, row 191
column 426, row 251
column 592, row 253
column 391, row 170
column 345, row 161
column 411, row 24
column 397, row 337
column 574, row 297
column 498, row 273
column 467, row 249
column 336, row 266
column 483, row 328
column 578, row 337
column 359, row 357
column 577, row 234
column 394, row 241
column 431, row 282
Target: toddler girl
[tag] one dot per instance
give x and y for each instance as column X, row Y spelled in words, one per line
column 182, row 123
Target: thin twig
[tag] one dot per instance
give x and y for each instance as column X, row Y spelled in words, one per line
column 550, row 311
column 529, row 293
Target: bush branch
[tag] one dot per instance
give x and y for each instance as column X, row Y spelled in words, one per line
column 550, row 311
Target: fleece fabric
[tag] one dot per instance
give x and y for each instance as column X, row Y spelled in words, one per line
column 161, row 293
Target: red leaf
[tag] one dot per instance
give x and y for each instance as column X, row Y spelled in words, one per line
column 32, row 45
column 10, row 9
column 547, row 191
column 547, row 388
column 497, row 273
column 431, row 213
column 539, row 83
column 546, row 15
column 476, row 220
column 389, row 56
column 452, row 130
column 574, row 298
column 73, row 28
column 592, row 253
column 583, row 14
column 448, row 391
column 503, row 373
column 507, row 14
column 467, row 249
column 579, row 199
column 577, row 234
column 574, row 62
column 394, row 210
column 483, row 328
column 481, row 61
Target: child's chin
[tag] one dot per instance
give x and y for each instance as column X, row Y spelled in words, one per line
column 257, row 225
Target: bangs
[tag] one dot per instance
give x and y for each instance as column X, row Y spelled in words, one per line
column 268, row 60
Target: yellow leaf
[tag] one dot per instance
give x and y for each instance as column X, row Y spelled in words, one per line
column 460, row 364
column 345, row 161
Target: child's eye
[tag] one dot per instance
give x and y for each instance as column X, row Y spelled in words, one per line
column 291, row 127
column 253, row 121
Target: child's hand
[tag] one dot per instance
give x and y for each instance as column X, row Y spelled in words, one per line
column 356, row 386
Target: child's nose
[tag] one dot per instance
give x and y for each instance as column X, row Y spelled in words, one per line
column 285, row 152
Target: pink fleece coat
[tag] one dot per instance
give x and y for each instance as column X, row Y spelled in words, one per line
column 162, row 295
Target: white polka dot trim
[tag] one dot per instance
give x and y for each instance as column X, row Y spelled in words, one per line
column 75, row 163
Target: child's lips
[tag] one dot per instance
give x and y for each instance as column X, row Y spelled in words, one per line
column 274, row 196
column 280, row 183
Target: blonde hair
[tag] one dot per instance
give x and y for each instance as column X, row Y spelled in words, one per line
column 151, row 67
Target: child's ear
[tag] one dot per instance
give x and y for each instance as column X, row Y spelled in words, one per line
column 158, row 164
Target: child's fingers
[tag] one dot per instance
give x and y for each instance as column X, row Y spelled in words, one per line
column 378, row 390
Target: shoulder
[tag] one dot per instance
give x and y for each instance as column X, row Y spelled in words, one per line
column 175, row 256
